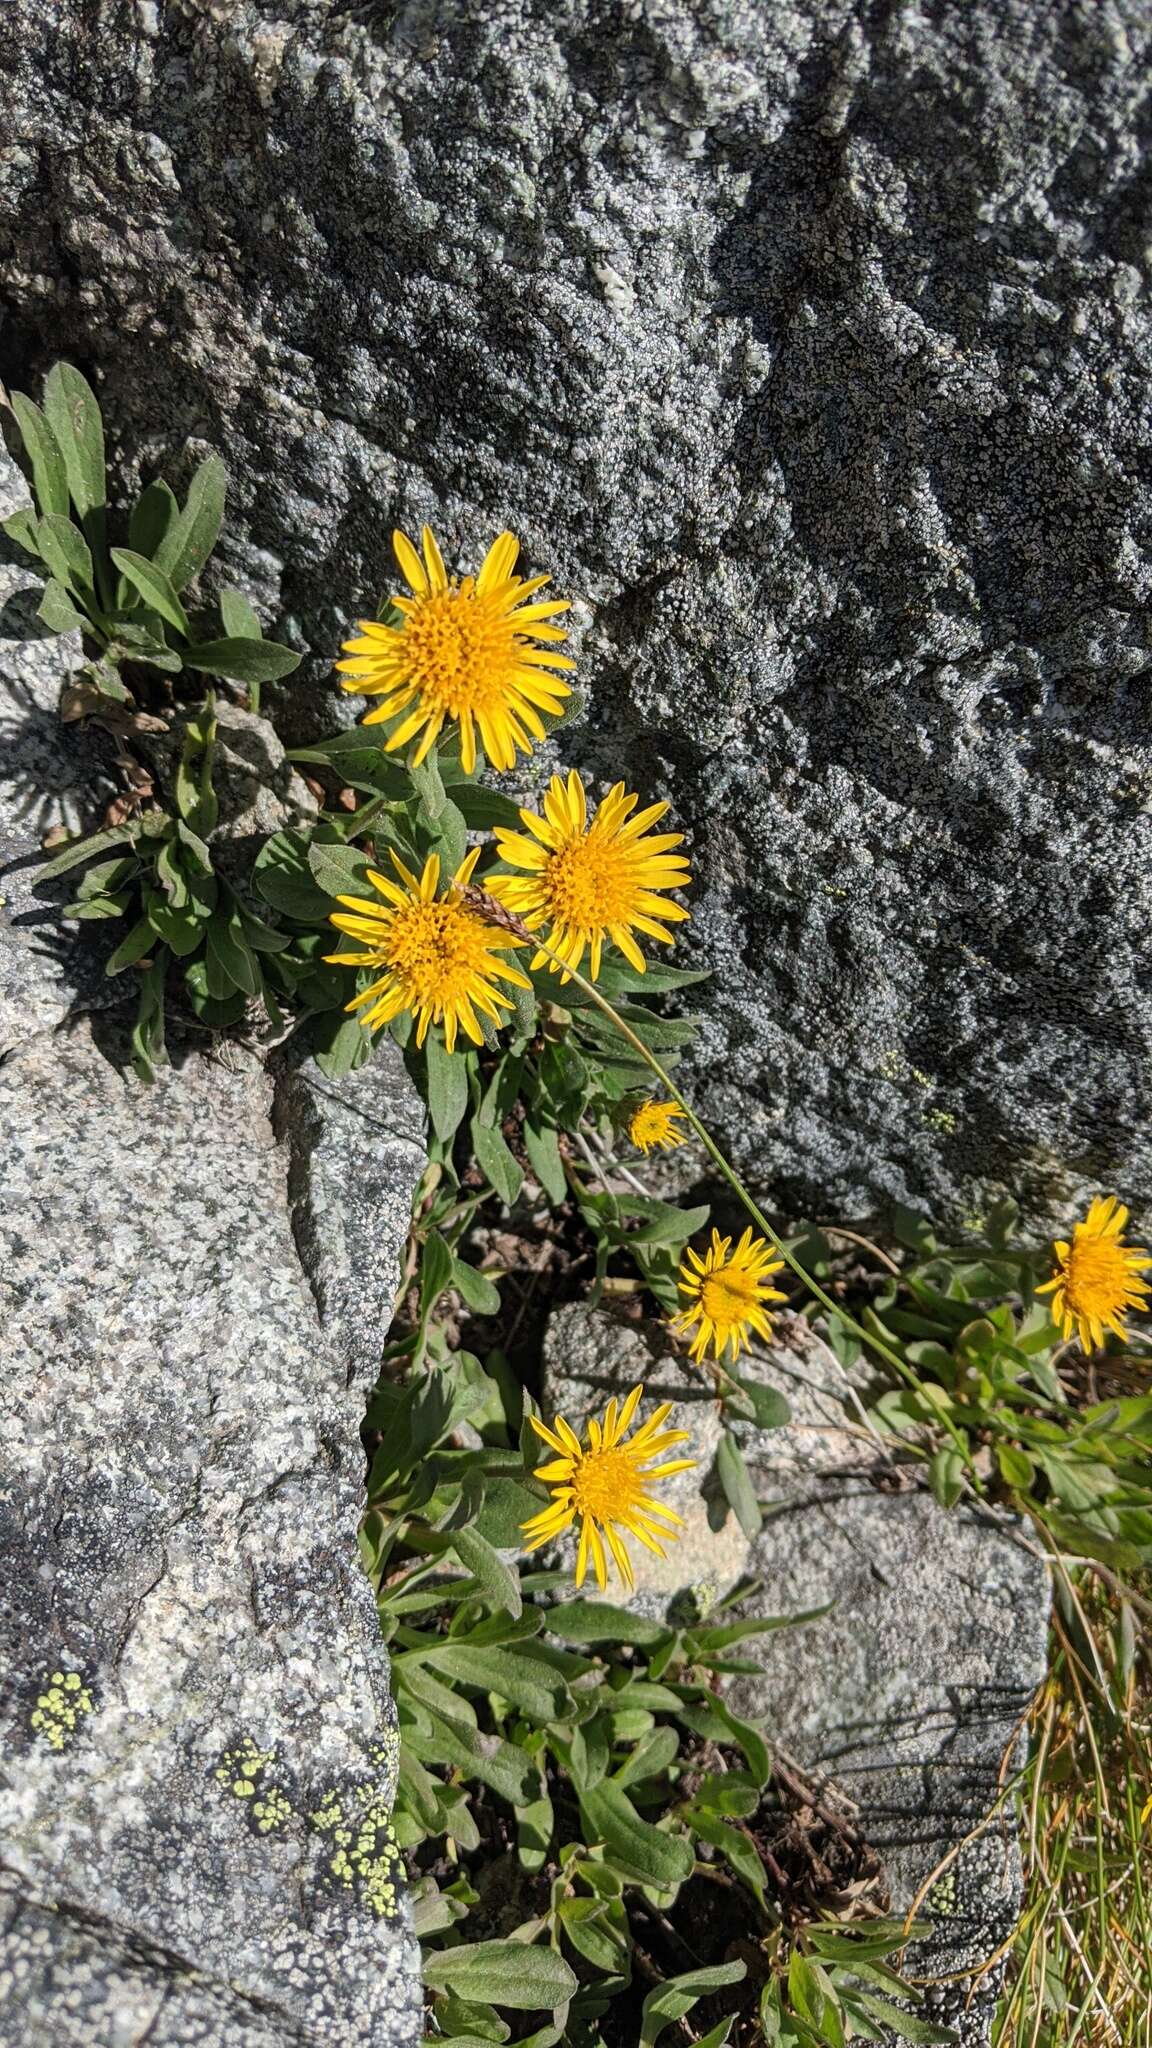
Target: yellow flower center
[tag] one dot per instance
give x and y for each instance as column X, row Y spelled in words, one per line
column 606, row 1484
column 459, row 651
column 727, row 1297
column 589, row 884
column 1096, row 1277
column 434, row 949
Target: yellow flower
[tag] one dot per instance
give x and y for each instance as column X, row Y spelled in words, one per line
column 654, row 1123
column 605, row 1487
column 591, row 882
column 1097, row 1277
column 725, row 1293
column 464, row 652
column 440, row 959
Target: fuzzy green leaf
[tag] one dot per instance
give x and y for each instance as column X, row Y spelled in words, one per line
column 496, row 1162
column 542, row 1145
column 188, row 542
column 152, row 515
column 73, row 415
column 154, row 587
column 634, row 1845
column 447, row 1086
column 84, row 849
column 58, row 611
column 739, row 1491
column 513, row 1674
column 49, row 476
column 243, row 660
column 64, row 549
column 507, row 1973
column 670, row 2001
column 239, row 619
column 499, row 1581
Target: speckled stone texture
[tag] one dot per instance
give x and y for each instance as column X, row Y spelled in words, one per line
column 195, row 1718
column 809, row 344
column 910, row 1693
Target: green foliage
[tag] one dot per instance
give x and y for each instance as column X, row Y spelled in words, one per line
column 126, row 599
column 590, row 1739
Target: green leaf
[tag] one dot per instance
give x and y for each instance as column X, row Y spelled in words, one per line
column 139, row 941
column 49, row 477
column 429, row 785
column 21, row 527
column 64, row 549
column 637, row 1848
column 534, row 1826
column 513, row 1674
column 340, row 871
column 543, row 1148
column 193, row 534
column 767, row 1408
column 739, row 1491
column 154, row 587
column 508, row 1504
column 496, row 1163
column 74, row 417
column 229, row 954
column 511, row 1774
column 285, row 880
column 907, row 2026
column 180, row 930
column 84, row 849
column 238, row 616
column 500, row 1582
column 58, row 611
column 946, row 1475
column 435, row 1272
column 486, row 808
column 243, row 660
column 195, row 797
column 507, row 1973
column 447, row 1085
column 597, row 1621
column 148, row 1048
column 345, row 1048
column 475, row 1288
column 152, row 515
column 1016, row 1467
column 670, row 2001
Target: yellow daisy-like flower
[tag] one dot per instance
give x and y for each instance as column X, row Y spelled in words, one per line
column 591, row 882
column 725, row 1294
column 1096, row 1276
column 462, row 653
column 654, row 1123
column 440, row 960
column 604, row 1485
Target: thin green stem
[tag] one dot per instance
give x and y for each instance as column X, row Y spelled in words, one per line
column 729, row 1172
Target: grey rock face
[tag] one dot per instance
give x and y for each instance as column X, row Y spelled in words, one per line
column 809, row 346
column 910, row 1692
column 195, row 1718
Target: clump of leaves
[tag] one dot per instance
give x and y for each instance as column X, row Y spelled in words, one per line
column 589, row 1826
column 122, row 582
column 1000, row 1406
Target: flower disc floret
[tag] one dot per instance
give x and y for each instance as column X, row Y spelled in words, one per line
column 463, row 654
column 440, row 960
column 1097, row 1276
column 592, row 882
column 725, row 1295
column 653, row 1124
column 604, row 1485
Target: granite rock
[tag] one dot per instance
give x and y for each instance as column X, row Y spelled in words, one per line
column 909, row 1693
column 195, row 1716
column 809, row 344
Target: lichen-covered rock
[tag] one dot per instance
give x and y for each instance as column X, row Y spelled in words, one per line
column 195, row 1718
column 910, row 1691
column 809, row 344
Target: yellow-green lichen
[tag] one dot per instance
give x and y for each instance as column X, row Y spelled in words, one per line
column 61, row 1708
column 241, row 1772
column 365, row 1857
